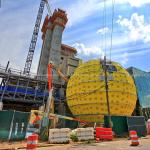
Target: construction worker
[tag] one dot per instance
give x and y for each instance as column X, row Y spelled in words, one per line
column 36, row 122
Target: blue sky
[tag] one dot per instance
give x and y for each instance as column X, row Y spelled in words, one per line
column 85, row 30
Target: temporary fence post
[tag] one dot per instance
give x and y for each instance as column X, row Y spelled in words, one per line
column 11, row 126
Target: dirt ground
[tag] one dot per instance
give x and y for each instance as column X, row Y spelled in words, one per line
column 117, row 144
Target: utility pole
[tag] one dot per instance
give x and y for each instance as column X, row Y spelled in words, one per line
column 106, row 88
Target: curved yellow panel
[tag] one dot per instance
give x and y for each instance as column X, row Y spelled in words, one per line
column 86, row 94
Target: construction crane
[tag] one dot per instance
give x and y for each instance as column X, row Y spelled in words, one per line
column 32, row 46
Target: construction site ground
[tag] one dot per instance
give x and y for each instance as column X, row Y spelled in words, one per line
column 117, row 144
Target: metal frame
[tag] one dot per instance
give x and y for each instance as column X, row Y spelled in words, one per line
column 21, row 89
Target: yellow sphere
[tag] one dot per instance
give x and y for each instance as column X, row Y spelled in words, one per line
column 86, row 94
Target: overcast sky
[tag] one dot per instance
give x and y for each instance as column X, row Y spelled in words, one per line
column 85, row 30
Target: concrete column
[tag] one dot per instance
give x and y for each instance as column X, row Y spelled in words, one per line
column 55, row 51
column 51, row 49
column 44, row 57
column 59, row 20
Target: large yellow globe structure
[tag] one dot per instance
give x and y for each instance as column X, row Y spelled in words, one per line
column 86, row 92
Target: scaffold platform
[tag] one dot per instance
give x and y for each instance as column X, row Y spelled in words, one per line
column 21, row 92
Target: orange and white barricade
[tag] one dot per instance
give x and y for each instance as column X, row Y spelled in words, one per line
column 104, row 134
column 134, row 138
column 32, row 141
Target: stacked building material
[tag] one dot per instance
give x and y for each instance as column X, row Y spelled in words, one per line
column 59, row 135
column 84, row 133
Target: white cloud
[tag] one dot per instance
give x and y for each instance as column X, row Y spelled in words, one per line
column 133, row 3
column 136, row 27
column 138, row 3
column 103, row 30
column 81, row 9
column 124, row 59
column 87, row 51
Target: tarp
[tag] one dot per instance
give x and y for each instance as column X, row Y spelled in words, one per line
column 5, row 123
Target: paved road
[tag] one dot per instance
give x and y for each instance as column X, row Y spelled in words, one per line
column 114, row 145
column 120, row 144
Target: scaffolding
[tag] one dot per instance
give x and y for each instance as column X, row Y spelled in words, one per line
column 20, row 91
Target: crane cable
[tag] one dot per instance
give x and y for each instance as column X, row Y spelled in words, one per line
column 104, row 26
column 112, row 27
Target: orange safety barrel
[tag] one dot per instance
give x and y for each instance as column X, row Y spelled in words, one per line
column 32, row 141
column 134, row 138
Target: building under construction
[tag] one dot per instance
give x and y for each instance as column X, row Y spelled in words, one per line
column 25, row 92
column 63, row 56
column 19, row 92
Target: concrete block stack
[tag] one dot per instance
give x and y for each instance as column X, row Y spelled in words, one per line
column 84, row 133
column 59, row 135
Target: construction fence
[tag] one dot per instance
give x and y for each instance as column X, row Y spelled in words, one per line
column 123, row 124
column 13, row 125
